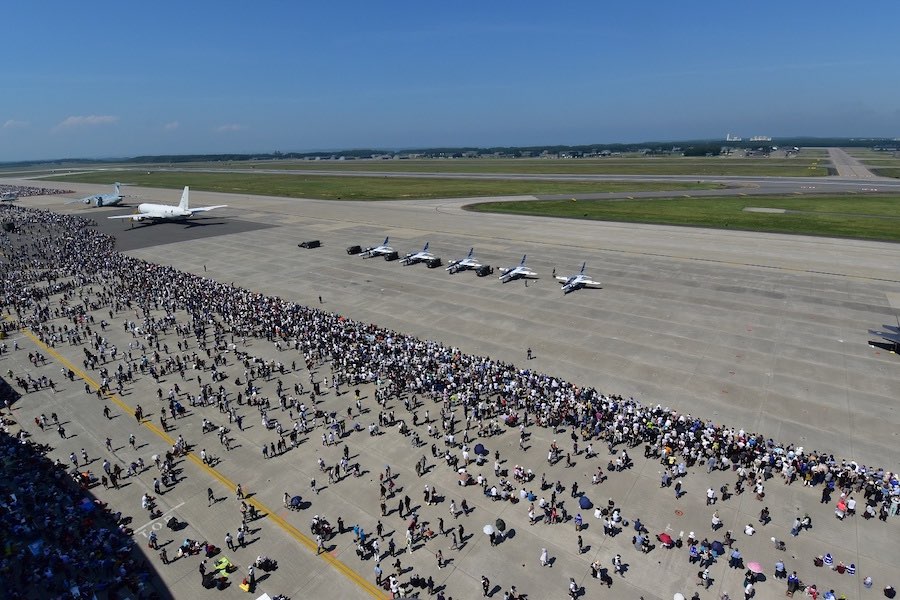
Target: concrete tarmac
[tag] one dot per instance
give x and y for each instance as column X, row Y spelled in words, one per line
column 761, row 331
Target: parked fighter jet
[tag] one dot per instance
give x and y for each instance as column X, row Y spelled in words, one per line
column 892, row 335
column 469, row 262
column 377, row 250
column 519, row 272
column 577, row 281
column 415, row 257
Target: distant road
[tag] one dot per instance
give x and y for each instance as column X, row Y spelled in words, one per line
column 847, row 166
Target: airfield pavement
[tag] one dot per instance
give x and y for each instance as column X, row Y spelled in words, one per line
column 758, row 331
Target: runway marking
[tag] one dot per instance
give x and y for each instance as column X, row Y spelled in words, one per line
column 272, row 515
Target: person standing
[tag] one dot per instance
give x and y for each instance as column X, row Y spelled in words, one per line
column 485, row 586
column 545, row 558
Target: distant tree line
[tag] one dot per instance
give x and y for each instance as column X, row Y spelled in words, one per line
column 687, row 147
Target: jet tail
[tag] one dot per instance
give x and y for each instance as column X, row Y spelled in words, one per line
column 522, row 264
column 582, row 267
column 118, row 193
column 385, row 242
column 185, row 199
column 471, row 250
column 425, row 249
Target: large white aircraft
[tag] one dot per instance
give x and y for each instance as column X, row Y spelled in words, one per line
column 380, row 250
column 167, row 212
column 416, row 257
column 102, row 199
column 577, row 281
column 519, row 272
column 469, row 262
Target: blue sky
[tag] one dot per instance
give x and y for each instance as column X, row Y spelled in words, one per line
column 103, row 79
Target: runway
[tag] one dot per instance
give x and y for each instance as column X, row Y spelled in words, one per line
column 761, row 331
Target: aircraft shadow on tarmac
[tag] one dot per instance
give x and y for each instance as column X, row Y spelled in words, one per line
column 141, row 235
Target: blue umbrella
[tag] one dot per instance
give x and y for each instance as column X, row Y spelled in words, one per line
column 480, row 450
column 585, row 503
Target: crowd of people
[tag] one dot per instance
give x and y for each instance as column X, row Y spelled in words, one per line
column 55, row 537
column 24, row 191
column 56, row 255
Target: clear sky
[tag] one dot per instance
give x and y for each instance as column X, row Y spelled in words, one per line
column 110, row 79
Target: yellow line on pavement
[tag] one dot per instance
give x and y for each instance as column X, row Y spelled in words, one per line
column 288, row 528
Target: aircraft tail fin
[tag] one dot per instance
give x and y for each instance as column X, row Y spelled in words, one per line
column 185, row 199
column 116, row 187
column 522, row 264
column 425, row 249
column 385, row 242
column 471, row 251
column 582, row 267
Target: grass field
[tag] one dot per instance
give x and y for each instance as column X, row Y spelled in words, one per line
column 364, row 188
column 739, row 166
column 875, row 217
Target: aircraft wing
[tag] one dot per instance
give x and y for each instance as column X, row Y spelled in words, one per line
column 590, row 283
column 894, row 337
column 561, row 278
column 206, row 208
column 133, row 217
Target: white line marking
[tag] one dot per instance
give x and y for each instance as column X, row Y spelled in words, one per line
column 159, row 517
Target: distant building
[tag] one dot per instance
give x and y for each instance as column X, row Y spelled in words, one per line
column 732, row 138
column 761, row 138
